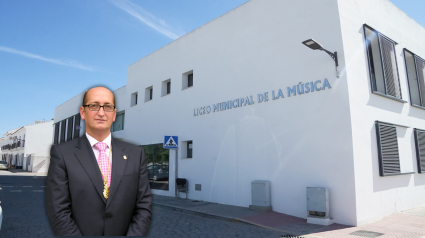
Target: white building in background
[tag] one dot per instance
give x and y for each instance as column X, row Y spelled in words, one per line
column 249, row 101
column 2, row 142
column 28, row 147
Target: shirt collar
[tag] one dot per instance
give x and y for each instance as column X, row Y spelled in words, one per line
column 93, row 141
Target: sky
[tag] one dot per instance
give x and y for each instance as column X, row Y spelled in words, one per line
column 52, row 50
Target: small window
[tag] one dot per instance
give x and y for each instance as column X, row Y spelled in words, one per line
column 166, row 87
column 189, row 149
column 190, row 80
column 186, row 149
column 420, row 149
column 118, row 124
column 133, row 99
column 187, row 80
column 415, row 67
column 148, row 93
column 382, row 63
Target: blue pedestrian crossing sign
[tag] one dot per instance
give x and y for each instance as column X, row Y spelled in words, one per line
column 171, row 142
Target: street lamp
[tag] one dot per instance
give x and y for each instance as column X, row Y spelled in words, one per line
column 314, row 45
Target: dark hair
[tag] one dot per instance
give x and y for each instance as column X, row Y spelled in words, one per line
column 85, row 95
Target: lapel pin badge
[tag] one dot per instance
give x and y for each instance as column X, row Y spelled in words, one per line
column 125, row 157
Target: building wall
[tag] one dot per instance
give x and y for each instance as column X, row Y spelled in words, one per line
column 69, row 108
column 39, row 138
column 294, row 142
column 380, row 196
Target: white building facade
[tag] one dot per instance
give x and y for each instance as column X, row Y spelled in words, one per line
column 249, row 102
column 28, row 147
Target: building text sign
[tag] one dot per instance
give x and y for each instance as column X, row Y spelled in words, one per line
column 299, row 89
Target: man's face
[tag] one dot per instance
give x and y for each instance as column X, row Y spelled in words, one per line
column 98, row 121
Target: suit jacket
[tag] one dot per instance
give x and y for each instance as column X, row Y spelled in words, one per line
column 74, row 191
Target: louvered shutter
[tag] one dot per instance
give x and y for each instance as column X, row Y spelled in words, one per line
column 390, row 66
column 420, row 69
column 69, row 129
column 77, row 119
column 389, row 160
column 420, row 150
column 63, row 129
column 55, row 139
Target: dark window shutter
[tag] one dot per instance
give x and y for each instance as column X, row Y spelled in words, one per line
column 420, row 150
column 389, row 160
column 63, row 129
column 77, row 125
column 168, row 87
column 420, row 69
column 69, row 129
column 55, row 139
column 390, row 66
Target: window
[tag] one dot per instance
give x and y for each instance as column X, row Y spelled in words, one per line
column 77, row 119
column 63, row 129
column 187, row 80
column 69, row 129
column 190, row 80
column 186, row 149
column 133, row 99
column 389, row 160
column 393, row 141
column 56, row 137
column 415, row 67
column 382, row 64
column 420, row 149
column 166, row 87
column 148, row 93
column 118, row 124
column 189, row 149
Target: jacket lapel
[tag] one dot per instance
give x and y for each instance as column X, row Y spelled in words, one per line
column 118, row 166
column 87, row 159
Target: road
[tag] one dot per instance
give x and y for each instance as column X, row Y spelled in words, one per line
column 24, row 215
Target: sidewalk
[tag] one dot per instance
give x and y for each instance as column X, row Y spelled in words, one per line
column 409, row 223
column 20, row 172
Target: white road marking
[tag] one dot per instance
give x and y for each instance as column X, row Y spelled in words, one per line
column 15, row 191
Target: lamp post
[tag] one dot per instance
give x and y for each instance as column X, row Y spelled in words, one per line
column 314, row 45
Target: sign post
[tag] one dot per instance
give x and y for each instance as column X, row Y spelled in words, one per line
column 172, row 142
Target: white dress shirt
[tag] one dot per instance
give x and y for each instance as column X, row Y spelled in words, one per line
column 93, row 141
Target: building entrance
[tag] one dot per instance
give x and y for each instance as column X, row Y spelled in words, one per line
column 158, row 166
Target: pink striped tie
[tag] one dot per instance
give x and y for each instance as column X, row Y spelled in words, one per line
column 103, row 160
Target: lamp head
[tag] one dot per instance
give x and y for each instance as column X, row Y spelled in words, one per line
column 312, row 44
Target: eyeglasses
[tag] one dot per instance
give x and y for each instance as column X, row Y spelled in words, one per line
column 96, row 107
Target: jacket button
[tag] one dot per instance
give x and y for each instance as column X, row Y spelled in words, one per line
column 108, row 216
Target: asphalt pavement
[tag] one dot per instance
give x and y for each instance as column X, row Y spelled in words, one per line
column 24, row 215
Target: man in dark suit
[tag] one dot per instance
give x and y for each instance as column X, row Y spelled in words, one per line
column 97, row 185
